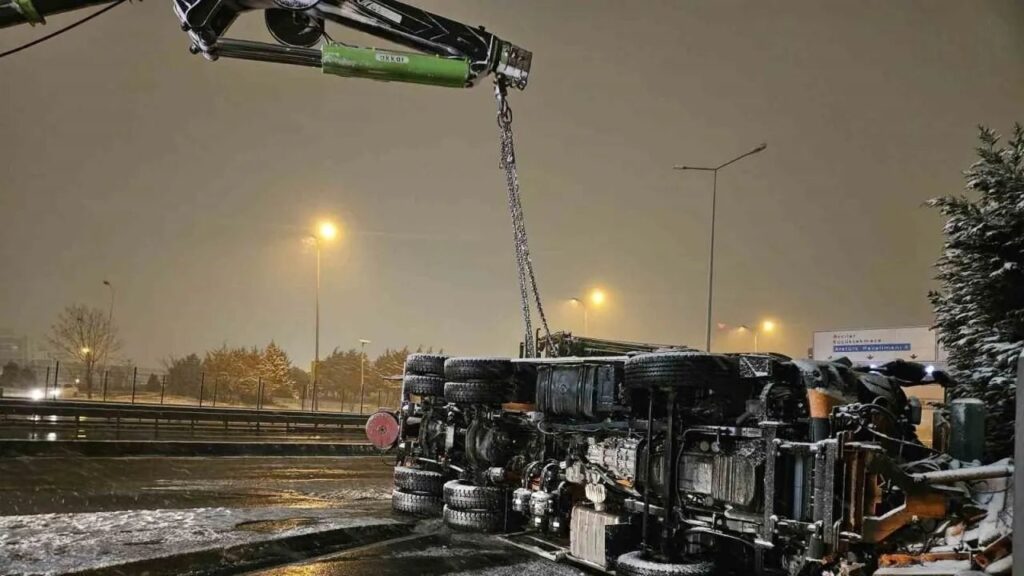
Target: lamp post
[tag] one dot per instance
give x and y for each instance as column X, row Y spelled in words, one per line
column 110, row 326
column 325, row 231
column 596, row 299
column 110, row 311
column 88, row 358
column 766, row 327
column 578, row 302
column 362, row 371
column 714, row 201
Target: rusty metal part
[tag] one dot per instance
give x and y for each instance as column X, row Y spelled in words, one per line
column 919, row 505
column 1001, row 548
column 888, row 560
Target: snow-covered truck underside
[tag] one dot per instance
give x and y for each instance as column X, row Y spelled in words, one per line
column 680, row 462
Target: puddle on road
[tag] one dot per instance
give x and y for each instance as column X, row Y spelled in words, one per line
column 273, row 526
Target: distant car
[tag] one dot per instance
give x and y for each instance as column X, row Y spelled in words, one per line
column 54, row 392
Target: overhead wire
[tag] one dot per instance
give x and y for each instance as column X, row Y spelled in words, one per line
column 67, row 28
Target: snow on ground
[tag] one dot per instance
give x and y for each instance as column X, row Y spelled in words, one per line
column 58, row 543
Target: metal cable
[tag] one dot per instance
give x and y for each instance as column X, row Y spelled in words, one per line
column 524, row 264
column 56, row 33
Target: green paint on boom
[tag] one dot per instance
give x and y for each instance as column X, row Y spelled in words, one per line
column 392, row 66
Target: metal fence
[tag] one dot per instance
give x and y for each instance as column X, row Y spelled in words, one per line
column 138, row 385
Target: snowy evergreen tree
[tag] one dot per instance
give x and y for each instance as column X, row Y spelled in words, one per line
column 980, row 308
column 276, row 371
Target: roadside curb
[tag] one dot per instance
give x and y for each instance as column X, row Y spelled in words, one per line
column 113, row 448
column 255, row 555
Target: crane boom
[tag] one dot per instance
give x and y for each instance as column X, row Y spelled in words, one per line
column 447, row 52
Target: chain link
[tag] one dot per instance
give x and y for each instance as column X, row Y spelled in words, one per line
column 524, row 264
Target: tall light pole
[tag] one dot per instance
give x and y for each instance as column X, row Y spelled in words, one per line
column 714, row 201
column 579, row 302
column 325, row 231
column 110, row 322
column 596, row 298
column 110, row 312
column 362, row 371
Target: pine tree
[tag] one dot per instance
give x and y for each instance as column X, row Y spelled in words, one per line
column 980, row 308
column 276, row 371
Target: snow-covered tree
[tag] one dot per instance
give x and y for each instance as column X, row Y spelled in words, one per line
column 276, row 372
column 980, row 307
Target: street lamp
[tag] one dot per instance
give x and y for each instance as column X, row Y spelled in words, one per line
column 110, row 322
column 714, row 201
column 766, row 327
column 597, row 298
column 581, row 304
column 325, row 231
column 362, row 371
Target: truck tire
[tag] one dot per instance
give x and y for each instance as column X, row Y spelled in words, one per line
column 416, row 504
column 423, row 385
column 473, row 520
column 462, row 369
column 476, row 392
column 680, row 369
column 459, row 495
column 635, row 564
column 418, row 481
column 425, row 364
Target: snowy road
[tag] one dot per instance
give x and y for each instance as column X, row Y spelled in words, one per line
column 434, row 551
column 59, row 515
column 67, row 485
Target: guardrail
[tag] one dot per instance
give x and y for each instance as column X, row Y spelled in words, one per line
column 88, row 420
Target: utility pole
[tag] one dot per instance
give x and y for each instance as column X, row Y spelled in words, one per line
column 362, row 371
column 714, row 201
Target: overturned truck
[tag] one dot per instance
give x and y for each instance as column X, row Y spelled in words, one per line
column 675, row 461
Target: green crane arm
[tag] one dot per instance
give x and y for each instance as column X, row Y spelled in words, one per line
column 446, row 52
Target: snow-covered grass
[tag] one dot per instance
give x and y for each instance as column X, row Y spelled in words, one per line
column 59, row 543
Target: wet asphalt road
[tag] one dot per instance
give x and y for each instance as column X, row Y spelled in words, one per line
column 68, row 484
column 434, row 550
column 354, row 486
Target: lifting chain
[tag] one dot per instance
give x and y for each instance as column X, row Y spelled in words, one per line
column 524, row 265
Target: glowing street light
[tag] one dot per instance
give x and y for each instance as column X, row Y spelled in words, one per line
column 325, row 231
column 597, row 298
column 86, row 350
column 766, row 327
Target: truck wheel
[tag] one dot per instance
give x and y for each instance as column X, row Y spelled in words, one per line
column 476, row 392
column 462, row 369
column 422, row 385
column 416, row 504
column 459, row 495
column 635, row 564
column 425, row 364
column 417, row 480
column 680, row 369
column 473, row 520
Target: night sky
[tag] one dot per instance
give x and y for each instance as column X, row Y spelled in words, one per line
column 190, row 184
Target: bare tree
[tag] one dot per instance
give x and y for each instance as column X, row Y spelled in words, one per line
column 85, row 335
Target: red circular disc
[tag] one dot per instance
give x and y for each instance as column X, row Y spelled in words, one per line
column 382, row 430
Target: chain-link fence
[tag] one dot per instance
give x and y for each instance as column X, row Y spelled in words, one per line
column 71, row 381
